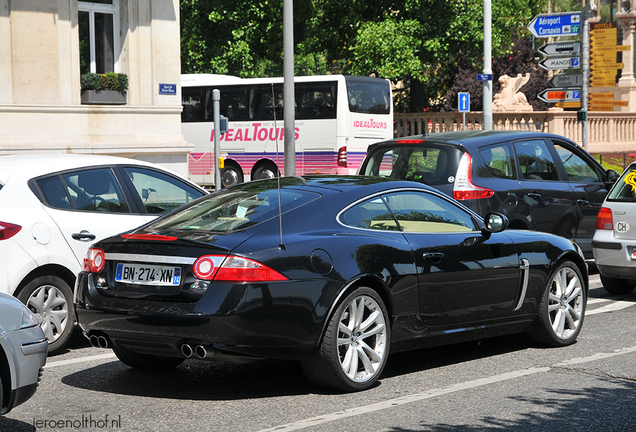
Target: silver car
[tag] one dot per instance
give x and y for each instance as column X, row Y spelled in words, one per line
column 614, row 242
column 22, row 353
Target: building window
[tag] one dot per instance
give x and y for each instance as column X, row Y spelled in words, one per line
column 98, row 36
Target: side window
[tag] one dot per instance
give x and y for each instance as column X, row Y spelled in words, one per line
column 577, row 169
column 193, row 101
column 55, row 193
column 499, row 161
column 427, row 213
column 160, row 192
column 96, row 190
column 371, row 214
column 536, row 161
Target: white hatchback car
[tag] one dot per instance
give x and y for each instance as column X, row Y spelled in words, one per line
column 614, row 242
column 54, row 207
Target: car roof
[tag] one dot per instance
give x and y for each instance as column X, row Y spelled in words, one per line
column 477, row 138
column 34, row 165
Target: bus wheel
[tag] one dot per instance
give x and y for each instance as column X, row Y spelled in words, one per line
column 265, row 171
column 231, row 174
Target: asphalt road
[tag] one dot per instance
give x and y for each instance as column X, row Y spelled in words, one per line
column 500, row 384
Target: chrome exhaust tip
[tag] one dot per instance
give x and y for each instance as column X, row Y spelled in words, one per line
column 102, row 342
column 201, row 351
column 94, row 341
column 186, row 350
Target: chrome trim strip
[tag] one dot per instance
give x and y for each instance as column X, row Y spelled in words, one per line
column 155, row 259
column 525, row 268
column 34, row 347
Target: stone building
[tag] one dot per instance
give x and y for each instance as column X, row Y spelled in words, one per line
column 45, row 47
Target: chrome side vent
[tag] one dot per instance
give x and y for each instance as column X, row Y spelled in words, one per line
column 525, row 274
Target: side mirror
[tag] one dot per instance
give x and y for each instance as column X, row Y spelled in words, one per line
column 612, row 177
column 495, row 222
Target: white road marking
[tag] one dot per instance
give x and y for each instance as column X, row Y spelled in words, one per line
column 616, row 305
column 390, row 403
column 79, row 360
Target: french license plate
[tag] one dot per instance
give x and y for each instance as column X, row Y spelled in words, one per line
column 144, row 274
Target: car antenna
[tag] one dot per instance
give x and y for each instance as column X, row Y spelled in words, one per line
column 280, row 209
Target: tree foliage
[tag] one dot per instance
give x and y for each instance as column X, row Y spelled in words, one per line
column 423, row 45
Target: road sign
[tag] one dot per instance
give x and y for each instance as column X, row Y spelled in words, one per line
column 560, row 95
column 602, row 95
column 567, row 80
column 568, row 105
column 561, row 48
column 557, row 24
column 606, row 66
column 484, row 77
column 463, row 99
column 555, row 63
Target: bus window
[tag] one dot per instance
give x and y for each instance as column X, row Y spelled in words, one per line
column 367, row 98
column 233, row 103
column 193, row 104
column 316, row 100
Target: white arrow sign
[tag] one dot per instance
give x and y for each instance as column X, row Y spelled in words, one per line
column 561, row 48
column 464, row 101
column 554, row 63
column 567, row 80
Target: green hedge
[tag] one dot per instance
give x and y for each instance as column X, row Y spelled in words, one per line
column 111, row 80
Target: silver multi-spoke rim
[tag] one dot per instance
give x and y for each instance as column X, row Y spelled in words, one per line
column 362, row 338
column 565, row 306
column 49, row 304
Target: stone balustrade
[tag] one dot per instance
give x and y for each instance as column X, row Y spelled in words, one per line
column 608, row 132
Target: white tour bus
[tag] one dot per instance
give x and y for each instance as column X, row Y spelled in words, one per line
column 337, row 117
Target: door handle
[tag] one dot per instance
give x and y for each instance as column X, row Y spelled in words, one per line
column 83, row 235
column 583, row 202
column 534, row 195
column 433, row 257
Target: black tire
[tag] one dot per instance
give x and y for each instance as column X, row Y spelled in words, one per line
column 332, row 365
column 617, row 286
column 231, row 174
column 146, row 361
column 562, row 307
column 51, row 300
column 265, row 171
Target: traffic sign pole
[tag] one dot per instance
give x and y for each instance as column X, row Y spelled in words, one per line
column 586, row 73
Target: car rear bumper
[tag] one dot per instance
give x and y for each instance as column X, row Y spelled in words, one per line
column 276, row 320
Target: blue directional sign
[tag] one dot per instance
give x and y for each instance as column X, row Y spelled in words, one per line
column 556, row 24
column 463, row 99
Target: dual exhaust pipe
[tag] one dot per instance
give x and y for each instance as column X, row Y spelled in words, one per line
column 186, row 349
column 98, row 341
column 199, row 350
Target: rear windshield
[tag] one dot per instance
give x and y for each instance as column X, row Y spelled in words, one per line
column 625, row 188
column 235, row 209
column 432, row 165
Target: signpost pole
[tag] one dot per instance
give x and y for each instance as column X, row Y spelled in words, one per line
column 216, row 105
column 487, row 86
column 585, row 60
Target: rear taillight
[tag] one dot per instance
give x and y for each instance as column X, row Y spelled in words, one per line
column 234, row 269
column 464, row 188
column 94, row 260
column 604, row 220
column 342, row 156
column 8, row 230
column 409, row 141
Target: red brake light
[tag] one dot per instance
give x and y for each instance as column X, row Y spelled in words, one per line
column 156, row 237
column 604, row 220
column 234, row 269
column 464, row 187
column 94, row 261
column 410, row 141
column 8, row 230
column 342, row 156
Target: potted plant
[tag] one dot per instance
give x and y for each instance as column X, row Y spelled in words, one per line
column 104, row 89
